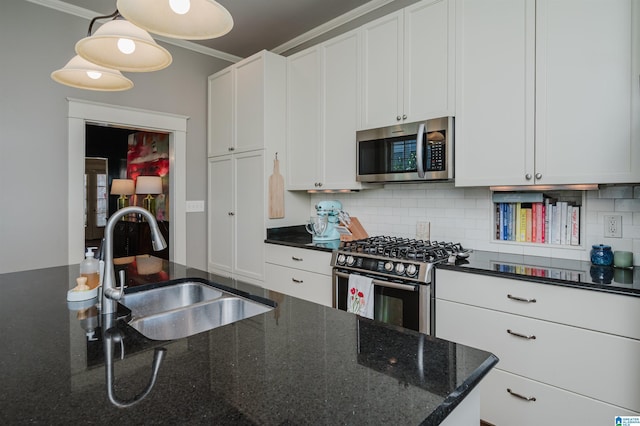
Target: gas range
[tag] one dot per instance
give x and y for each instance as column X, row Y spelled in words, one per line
column 394, row 258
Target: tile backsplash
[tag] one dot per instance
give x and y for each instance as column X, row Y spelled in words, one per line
column 465, row 215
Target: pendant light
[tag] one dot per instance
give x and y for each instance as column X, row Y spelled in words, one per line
column 183, row 19
column 123, row 46
column 83, row 74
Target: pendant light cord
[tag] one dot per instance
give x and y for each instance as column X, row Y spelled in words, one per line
column 113, row 15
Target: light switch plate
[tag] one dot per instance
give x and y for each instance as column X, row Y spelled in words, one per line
column 195, row 206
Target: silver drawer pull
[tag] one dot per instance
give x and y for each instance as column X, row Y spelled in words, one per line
column 524, row 336
column 297, row 259
column 297, row 281
column 521, row 299
column 517, row 395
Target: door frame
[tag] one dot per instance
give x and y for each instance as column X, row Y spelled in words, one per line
column 83, row 112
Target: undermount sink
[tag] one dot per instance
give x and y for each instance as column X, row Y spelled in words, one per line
column 186, row 307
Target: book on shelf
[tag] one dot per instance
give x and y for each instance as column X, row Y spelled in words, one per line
column 543, row 222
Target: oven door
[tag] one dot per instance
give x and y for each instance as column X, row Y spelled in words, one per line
column 401, row 304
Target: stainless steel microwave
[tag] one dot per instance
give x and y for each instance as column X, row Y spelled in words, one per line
column 420, row 151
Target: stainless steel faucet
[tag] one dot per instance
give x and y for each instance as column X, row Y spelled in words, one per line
column 110, row 293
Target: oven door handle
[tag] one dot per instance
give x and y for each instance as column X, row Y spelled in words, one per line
column 407, row 287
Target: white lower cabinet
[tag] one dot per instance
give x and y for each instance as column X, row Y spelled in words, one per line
column 302, row 273
column 554, row 359
column 552, row 405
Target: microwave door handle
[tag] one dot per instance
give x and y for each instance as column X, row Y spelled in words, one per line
column 419, row 150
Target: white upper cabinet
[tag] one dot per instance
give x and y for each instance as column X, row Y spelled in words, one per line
column 586, row 85
column 407, row 65
column 546, row 92
column 237, row 117
column 323, row 114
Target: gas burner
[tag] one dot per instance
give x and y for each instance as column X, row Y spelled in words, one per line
column 405, row 249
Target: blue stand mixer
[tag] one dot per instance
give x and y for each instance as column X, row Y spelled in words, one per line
column 323, row 226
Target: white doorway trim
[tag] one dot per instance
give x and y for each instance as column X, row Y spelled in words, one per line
column 82, row 112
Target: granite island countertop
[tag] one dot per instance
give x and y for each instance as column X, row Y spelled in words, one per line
column 300, row 363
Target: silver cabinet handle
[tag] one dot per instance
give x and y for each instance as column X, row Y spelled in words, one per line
column 419, row 149
column 398, row 118
column 521, row 299
column 524, row 336
column 404, row 116
column 231, row 214
column 297, row 259
column 297, row 281
column 517, row 395
column 528, row 176
column 538, row 175
column 231, row 148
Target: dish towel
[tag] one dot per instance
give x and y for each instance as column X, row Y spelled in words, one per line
column 360, row 296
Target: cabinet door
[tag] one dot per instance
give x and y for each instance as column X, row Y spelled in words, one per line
column 220, row 214
column 382, row 61
column 220, row 114
column 585, row 85
column 494, row 92
column 249, row 211
column 303, row 120
column 429, row 60
column 249, row 104
column 340, row 77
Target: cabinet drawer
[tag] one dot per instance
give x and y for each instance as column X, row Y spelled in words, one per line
column 552, row 406
column 307, row 260
column 593, row 310
column 598, row 365
column 302, row 284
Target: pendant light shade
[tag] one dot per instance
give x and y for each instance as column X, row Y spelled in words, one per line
column 83, row 74
column 120, row 45
column 183, row 19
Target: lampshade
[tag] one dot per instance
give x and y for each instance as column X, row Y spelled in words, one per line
column 149, row 185
column 184, row 19
column 121, row 45
column 122, row 187
column 83, row 74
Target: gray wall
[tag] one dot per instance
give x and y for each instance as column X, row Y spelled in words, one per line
column 34, row 41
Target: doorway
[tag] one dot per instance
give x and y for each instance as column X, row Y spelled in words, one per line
column 82, row 113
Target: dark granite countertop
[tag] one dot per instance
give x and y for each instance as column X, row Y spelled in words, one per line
column 301, row 363
column 547, row 270
column 297, row 236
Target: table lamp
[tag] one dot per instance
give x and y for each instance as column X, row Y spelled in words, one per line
column 150, row 185
column 122, row 187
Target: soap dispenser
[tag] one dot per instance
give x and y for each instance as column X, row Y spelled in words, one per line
column 90, row 268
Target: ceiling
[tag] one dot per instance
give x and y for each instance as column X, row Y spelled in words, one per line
column 261, row 24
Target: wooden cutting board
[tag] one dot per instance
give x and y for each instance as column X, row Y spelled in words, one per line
column 356, row 229
column 276, row 192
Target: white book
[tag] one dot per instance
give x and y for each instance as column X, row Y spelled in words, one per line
column 556, row 223
column 563, row 222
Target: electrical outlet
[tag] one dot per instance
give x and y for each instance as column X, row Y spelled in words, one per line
column 423, row 230
column 613, row 226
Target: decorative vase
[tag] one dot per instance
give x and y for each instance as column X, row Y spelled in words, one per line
column 601, row 255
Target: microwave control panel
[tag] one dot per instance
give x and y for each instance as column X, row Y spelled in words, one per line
column 435, row 156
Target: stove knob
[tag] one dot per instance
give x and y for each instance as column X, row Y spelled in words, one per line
column 341, row 258
column 388, row 266
column 351, row 260
column 412, row 270
column 400, row 269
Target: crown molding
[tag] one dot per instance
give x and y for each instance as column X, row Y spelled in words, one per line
column 81, row 12
column 330, row 25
